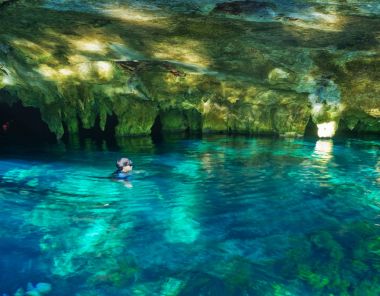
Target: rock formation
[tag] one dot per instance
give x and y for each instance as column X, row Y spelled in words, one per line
column 255, row 67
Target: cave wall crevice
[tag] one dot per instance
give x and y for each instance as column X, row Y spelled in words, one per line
column 232, row 68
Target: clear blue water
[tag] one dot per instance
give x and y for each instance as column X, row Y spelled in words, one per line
column 212, row 216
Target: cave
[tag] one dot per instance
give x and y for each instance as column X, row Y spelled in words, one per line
column 156, row 131
column 23, row 124
column 311, row 129
column 95, row 133
column 344, row 131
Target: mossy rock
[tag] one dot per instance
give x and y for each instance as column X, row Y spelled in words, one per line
column 173, row 121
column 135, row 118
column 242, row 76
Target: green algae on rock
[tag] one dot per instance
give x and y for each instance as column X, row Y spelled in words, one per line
column 239, row 67
column 338, row 271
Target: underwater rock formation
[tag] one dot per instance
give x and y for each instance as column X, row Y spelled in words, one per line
column 255, row 67
column 39, row 289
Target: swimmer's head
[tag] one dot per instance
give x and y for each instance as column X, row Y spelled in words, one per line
column 123, row 162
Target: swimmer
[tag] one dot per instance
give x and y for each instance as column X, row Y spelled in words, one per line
column 124, row 168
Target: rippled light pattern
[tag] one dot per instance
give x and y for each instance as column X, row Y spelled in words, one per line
column 212, row 216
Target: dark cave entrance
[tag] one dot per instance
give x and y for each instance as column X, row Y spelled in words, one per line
column 23, row 125
column 311, row 130
column 95, row 134
column 156, row 131
column 344, row 131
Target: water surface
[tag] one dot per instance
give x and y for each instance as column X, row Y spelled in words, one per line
column 212, row 216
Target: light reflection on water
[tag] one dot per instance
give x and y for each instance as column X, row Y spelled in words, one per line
column 214, row 216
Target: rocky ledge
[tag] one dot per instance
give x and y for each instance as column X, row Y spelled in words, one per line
column 238, row 66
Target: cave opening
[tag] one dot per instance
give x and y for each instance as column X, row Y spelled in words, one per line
column 156, row 131
column 311, row 130
column 361, row 130
column 95, row 133
column 22, row 124
column 344, row 131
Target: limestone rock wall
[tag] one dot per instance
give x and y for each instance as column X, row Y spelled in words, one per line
column 212, row 66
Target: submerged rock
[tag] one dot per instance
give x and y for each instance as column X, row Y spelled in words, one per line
column 38, row 290
column 19, row 292
column 32, row 293
column 43, row 288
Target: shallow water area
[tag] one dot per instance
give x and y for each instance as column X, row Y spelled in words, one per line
column 200, row 216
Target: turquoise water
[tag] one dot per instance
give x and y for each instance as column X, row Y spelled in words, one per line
column 212, row 216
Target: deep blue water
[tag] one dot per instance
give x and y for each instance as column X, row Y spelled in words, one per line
column 212, row 216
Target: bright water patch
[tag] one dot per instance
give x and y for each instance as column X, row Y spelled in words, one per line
column 215, row 216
